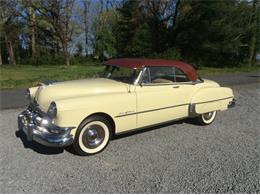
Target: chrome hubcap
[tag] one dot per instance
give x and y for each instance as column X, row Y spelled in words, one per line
column 207, row 116
column 93, row 136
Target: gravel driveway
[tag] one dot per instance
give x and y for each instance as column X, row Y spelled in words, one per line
column 175, row 158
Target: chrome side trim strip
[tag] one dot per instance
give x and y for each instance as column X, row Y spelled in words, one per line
column 214, row 100
column 145, row 111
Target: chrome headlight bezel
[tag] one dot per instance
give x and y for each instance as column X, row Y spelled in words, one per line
column 52, row 111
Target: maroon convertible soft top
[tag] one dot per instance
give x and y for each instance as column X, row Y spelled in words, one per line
column 140, row 63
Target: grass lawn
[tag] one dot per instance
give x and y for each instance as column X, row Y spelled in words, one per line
column 23, row 76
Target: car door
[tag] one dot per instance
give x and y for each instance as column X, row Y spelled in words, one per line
column 160, row 97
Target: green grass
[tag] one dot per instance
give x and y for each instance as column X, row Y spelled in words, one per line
column 26, row 76
column 23, row 76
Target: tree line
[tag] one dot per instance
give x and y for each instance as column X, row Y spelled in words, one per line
column 205, row 33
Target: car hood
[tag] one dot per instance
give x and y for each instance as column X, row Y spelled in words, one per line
column 62, row 90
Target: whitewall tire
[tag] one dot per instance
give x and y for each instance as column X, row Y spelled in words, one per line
column 92, row 136
column 206, row 118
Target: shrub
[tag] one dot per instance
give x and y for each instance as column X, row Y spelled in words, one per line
column 44, row 60
column 171, row 53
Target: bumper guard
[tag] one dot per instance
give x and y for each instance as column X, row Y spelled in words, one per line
column 232, row 103
column 42, row 130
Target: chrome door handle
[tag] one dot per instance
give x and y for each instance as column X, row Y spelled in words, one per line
column 176, row 86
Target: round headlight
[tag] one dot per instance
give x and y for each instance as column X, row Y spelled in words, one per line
column 52, row 111
column 28, row 94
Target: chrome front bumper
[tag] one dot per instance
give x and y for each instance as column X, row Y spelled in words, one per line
column 41, row 129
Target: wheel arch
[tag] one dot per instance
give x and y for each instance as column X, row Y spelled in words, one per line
column 106, row 116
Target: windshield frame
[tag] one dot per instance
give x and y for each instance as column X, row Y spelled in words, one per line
column 109, row 69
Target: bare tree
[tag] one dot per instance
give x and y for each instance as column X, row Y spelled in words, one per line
column 59, row 14
column 8, row 13
column 160, row 15
column 9, row 46
column 86, row 15
column 101, row 6
column 114, row 4
column 33, row 28
column 253, row 23
column 27, row 12
column 161, row 10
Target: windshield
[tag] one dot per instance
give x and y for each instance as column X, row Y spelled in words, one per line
column 122, row 74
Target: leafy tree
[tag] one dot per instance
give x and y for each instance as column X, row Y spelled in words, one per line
column 171, row 53
column 105, row 34
column 210, row 32
column 9, row 27
column 254, row 24
column 258, row 27
column 141, row 44
column 152, row 17
column 130, row 18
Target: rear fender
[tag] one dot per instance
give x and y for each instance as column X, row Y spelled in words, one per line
column 210, row 99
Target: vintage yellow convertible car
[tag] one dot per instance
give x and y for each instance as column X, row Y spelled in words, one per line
column 131, row 94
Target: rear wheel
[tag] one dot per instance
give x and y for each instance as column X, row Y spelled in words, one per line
column 92, row 136
column 206, row 118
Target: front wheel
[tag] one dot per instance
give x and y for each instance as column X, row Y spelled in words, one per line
column 206, row 118
column 92, row 136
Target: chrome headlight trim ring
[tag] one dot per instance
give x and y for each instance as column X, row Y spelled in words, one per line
column 52, row 111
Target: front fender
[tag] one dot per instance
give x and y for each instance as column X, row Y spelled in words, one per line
column 74, row 110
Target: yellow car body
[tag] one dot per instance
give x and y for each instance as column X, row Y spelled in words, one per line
column 128, row 106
